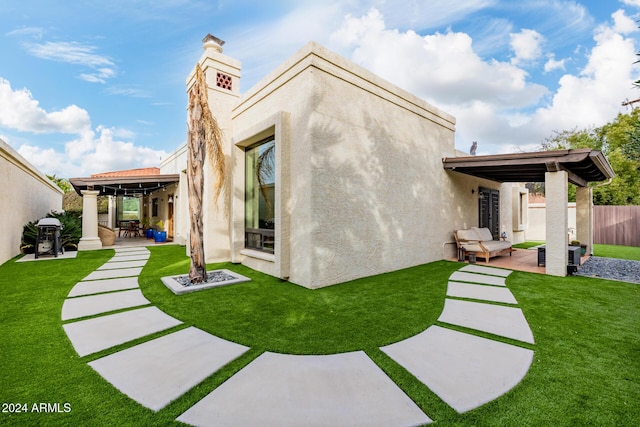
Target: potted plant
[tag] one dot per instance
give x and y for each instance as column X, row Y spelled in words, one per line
column 146, row 225
column 160, row 235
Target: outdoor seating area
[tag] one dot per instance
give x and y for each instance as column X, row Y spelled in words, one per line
column 480, row 242
column 129, row 229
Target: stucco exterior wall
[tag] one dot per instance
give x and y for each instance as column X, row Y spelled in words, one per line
column 176, row 163
column 25, row 195
column 367, row 190
column 361, row 189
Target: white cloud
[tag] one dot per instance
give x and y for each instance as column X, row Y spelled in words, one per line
column 35, row 32
column 593, row 97
column 99, row 76
column 526, row 46
column 553, row 64
column 442, row 68
column 19, row 111
column 635, row 3
column 132, row 91
column 77, row 54
column 89, row 154
column 495, row 102
column 622, row 23
column 86, row 153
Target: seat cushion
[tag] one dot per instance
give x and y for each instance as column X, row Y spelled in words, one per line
column 469, row 234
column 496, row 245
column 483, row 234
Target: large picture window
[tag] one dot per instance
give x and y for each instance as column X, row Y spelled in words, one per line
column 128, row 208
column 260, row 186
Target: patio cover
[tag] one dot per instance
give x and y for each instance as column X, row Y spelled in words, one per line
column 582, row 166
column 124, row 185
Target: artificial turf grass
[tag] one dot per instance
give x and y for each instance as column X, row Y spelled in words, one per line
column 278, row 316
column 585, row 369
column 605, row 251
column 527, row 245
column 39, row 364
column 614, row 251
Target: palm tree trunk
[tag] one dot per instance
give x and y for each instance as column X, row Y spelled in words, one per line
column 204, row 139
column 196, row 148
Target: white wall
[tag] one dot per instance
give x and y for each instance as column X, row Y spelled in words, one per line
column 25, row 195
column 537, row 222
column 176, row 163
column 367, row 192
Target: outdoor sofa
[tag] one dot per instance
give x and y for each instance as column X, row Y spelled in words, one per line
column 480, row 241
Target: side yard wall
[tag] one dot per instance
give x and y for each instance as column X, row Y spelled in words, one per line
column 537, row 222
column 25, row 195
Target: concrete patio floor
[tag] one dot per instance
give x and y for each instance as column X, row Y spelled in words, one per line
column 520, row 260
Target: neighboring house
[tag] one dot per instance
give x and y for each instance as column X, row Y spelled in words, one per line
column 364, row 176
column 25, row 195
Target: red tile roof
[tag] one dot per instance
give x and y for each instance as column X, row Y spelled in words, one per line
column 130, row 172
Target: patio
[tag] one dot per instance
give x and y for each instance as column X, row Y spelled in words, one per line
column 134, row 242
column 520, row 260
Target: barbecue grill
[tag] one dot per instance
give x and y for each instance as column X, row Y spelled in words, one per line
column 48, row 240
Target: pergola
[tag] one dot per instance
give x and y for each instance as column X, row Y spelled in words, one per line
column 92, row 187
column 555, row 169
column 123, row 185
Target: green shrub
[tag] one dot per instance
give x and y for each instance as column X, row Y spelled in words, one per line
column 69, row 235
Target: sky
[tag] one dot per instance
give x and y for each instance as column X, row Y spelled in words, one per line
column 97, row 86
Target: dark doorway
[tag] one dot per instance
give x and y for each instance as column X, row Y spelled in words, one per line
column 489, row 211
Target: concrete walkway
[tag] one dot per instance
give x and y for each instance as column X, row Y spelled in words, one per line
column 465, row 370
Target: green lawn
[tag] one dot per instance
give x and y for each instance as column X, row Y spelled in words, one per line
column 586, row 368
column 606, row 251
column 613, row 251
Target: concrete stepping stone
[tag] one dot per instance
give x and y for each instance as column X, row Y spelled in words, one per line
column 481, row 292
column 158, row 371
column 496, row 319
column 473, row 268
column 461, row 276
column 286, row 390
column 101, row 286
column 132, row 257
column 115, row 264
column 132, row 249
column 110, row 274
column 74, row 308
column 92, row 335
column 464, row 370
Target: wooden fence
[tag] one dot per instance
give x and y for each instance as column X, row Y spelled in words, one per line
column 616, row 225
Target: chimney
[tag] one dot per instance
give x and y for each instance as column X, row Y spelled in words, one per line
column 212, row 42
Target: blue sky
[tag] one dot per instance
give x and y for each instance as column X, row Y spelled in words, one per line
column 94, row 86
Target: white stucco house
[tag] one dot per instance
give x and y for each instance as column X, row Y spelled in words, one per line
column 365, row 176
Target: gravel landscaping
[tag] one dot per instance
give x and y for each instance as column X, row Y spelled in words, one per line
column 611, row 268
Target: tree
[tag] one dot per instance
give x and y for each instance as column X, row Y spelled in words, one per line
column 63, row 183
column 203, row 139
column 619, row 141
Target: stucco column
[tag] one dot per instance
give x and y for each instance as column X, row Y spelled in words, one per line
column 584, row 217
column 90, row 239
column 556, row 185
column 111, row 222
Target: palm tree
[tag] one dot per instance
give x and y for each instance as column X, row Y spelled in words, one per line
column 204, row 139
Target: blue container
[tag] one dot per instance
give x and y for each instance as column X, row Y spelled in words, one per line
column 149, row 233
column 160, row 236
